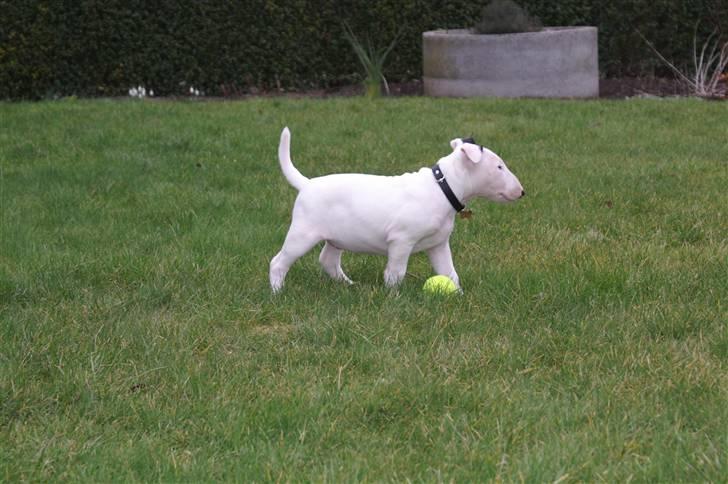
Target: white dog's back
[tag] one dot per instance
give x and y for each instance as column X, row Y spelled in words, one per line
column 356, row 212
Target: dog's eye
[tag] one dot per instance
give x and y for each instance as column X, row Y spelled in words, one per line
column 500, row 167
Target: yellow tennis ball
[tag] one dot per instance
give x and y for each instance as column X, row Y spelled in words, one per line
column 441, row 285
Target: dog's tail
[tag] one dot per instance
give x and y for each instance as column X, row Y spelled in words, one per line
column 293, row 176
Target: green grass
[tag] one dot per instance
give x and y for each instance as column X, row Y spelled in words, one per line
column 139, row 339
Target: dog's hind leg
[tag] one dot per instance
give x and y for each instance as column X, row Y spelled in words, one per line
column 330, row 259
column 297, row 243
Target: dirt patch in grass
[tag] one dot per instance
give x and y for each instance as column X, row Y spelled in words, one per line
column 617, row 88
column 640, row 87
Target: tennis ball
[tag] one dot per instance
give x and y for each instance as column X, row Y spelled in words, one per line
column 440, row 285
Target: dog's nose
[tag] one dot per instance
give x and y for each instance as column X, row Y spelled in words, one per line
column 523, row 193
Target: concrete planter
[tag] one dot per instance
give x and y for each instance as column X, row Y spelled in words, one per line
column 553, row 62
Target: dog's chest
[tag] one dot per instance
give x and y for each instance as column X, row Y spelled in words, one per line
column 438, row 234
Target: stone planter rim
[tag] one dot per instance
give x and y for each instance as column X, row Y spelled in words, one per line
column 469, row 33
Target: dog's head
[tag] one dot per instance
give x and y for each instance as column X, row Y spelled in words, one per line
column 489, row 175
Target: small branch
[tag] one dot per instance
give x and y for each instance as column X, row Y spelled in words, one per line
column 708, row 69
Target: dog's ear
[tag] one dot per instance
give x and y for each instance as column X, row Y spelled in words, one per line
column 455, row 143
column 472, row 151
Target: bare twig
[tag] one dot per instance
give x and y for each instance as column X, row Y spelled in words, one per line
column 708, row 65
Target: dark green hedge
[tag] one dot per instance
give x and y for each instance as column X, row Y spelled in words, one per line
column 102, row 47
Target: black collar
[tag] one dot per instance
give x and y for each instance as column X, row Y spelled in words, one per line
column 445, row 187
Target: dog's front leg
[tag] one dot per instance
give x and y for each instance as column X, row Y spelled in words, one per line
column 397, row 256
column 441, row 260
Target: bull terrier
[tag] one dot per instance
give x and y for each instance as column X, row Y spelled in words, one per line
column 388, row 215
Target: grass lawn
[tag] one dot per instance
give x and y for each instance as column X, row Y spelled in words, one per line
column 139, row 339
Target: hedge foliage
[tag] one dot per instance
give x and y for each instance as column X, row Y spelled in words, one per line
column 52, row 48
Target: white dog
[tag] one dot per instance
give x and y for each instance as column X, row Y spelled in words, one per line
column 388, row 215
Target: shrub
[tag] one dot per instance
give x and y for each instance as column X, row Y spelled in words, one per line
column 709, row 65
column 505, row 17
column 52, row 48
column 372, row 60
